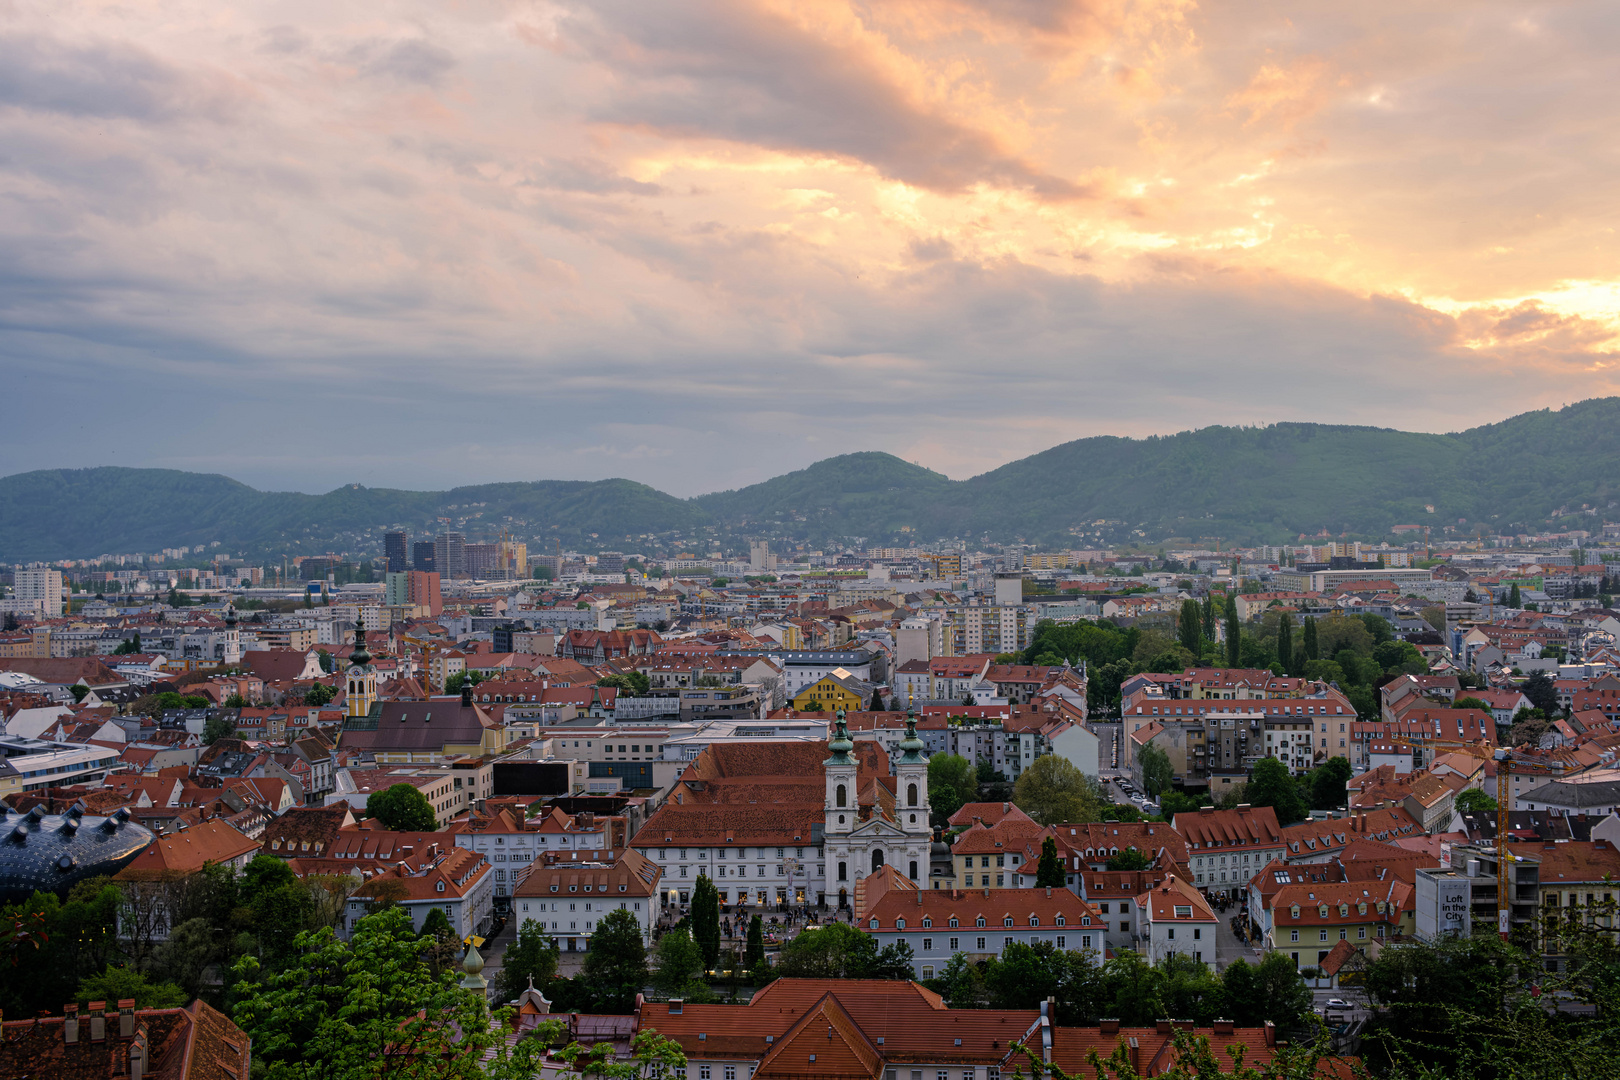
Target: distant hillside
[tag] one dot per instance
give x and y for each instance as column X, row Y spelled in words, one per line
column 1239, row 484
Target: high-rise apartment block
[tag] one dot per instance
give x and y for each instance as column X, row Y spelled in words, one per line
column 450, row 555
column 422, row 558
column 395, row 548
column 479, row 561
column 414, row 587
column 41, row 584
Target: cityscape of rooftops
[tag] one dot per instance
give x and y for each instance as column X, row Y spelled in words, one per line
column 738, row 540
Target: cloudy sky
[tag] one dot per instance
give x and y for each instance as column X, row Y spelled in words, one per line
column 701, row 242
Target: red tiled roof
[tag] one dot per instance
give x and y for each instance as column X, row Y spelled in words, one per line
column 185, row 852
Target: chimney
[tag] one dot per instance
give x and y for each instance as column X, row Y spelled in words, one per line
column 1136, row 1055
column 1224, row 1027
column 1162, row 1026
column 1049, row 892
column 1271, row 1033
column 70, row 1025
column 126, row 1018
column 1109, row 1026
column 98, row 1022
column 137, row 1057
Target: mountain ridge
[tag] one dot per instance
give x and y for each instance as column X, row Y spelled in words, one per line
column 1239, row 484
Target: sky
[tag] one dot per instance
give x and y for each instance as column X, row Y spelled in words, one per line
column 699, row 243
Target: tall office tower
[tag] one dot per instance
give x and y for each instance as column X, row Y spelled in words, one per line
column 479, row 561
column 422, row 556
column 450, row 555
column 41, row 583
column 395, row 547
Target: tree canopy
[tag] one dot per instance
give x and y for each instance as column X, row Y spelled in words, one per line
column 402, row 808
column 1271, row 784
column 616, row 965
column 951, row 783
column 1053, row 789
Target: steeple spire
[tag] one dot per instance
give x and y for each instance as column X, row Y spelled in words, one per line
column 841, row 744
column 911, row 746
column 360, row 657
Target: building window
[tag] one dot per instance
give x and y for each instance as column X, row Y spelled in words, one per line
column 928, row 944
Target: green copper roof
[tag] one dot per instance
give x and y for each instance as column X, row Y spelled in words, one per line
column 841, row 744
column 911, row 746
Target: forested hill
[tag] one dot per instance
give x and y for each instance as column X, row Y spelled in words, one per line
column 1239, row 484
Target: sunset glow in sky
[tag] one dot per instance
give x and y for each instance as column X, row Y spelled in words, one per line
column 702, row 243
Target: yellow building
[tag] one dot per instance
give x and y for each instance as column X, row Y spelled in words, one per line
column 837, row 690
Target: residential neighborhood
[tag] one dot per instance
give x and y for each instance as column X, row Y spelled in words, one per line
column 1205, row 758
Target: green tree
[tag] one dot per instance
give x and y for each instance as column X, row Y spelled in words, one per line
column 651, row 1054
column 1190, row 627
column 678, row 965
column 1475, row 801
column 834, row 951
column 129, row 647
column 218, row 727
column 706, row 919
column 1049, row 871
column 319, row 694
column 371, row 1008
column 755, row 956
column 437, row 924
column 1129, row 859
column 1271, row 785
column 1053, row 789
column 1285, row 643
column 1234, row 636
column 1435, row 616
column 402, row 808
column 951, row 784
column 328, row 664
column 1529, row 725
column 1271, row 990
column 118, row 982
column 1514, row 600
column 1308, row 643
column 1328, row 782
column 616, row 965
column 1156, row 770
column 533, row 956
column 1542, row 693
column 961, row 984
column 629, row 683
column 1207, row 616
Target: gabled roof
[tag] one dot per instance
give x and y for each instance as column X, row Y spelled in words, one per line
column 802, row 1051
column 185, row 852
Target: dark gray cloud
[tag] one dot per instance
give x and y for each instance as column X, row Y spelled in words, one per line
column 411, row 61
column 102, row 79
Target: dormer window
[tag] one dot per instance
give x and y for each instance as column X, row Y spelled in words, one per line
column 1006, row 920
column 1061, row 921
column 953, row 922
column 874, row 924
column 981, row 920
column 928, row 923
column 899, row 924
column 441, row 887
